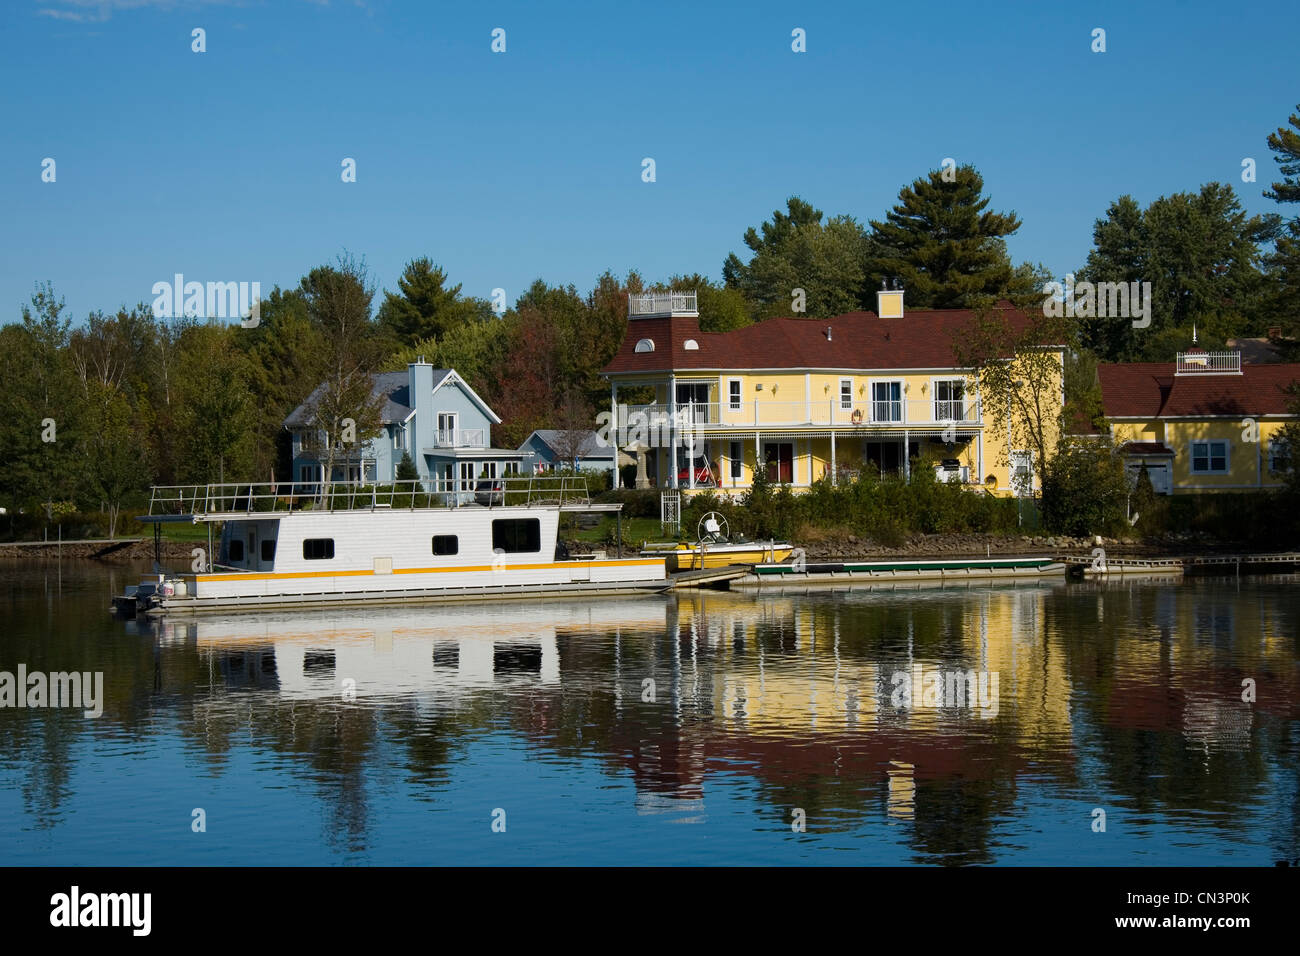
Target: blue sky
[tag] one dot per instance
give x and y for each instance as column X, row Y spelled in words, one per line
column 226, row 165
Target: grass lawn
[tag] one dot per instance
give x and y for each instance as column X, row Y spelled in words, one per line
column 635, row 530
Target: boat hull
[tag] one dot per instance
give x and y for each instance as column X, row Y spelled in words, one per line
column 721, row 556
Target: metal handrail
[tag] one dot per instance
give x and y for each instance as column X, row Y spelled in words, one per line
column 248, row 498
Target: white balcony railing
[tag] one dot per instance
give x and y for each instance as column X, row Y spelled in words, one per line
column 1209, row 363
column 824, row 413
column 460, row 438
column 661, row 303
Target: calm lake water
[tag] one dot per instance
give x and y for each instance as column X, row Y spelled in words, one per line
column 711, row 728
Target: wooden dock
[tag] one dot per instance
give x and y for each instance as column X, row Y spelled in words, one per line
column 1098, row 566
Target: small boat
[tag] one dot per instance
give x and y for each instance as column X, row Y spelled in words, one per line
column 716, row 549
column 353, row 544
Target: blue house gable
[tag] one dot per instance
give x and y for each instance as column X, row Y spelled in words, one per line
column 549, row 448
column 430, row 413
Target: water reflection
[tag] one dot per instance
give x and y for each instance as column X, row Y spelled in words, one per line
column 962, row 720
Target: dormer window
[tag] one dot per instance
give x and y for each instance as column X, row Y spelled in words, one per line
column 691, row 345
column 645, row 345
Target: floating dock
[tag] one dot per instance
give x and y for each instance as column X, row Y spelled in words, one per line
column 963, row 570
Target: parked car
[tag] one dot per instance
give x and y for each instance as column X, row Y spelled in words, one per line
column 490, row 491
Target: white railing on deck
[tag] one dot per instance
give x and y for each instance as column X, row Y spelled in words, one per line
column 823, row 413
column 1209, row 363
column 660, row 303
column 260, row 498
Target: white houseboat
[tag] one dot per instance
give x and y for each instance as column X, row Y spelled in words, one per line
column 381, row 544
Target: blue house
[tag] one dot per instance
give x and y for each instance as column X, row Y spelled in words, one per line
column 432, row 413
column 549, row 448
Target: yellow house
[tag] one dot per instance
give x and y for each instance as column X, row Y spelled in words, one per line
column 806, row 399
column 1205, row 422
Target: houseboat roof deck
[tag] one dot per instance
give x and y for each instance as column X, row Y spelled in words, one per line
column 225, row 501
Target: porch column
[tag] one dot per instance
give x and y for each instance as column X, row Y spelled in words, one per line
column 907, row 464
column 833, row 478
column 672, row 432
column 758, row 455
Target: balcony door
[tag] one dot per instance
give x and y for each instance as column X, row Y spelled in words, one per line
column 447, row 428
column 696, row 395
column 780, row 461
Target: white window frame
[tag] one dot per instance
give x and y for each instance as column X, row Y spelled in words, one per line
column 399, row 437
column 1209, row 456
column 902, row 399
column 935, row 400
column 737, row 467
column 1016, row 457
column 454, row 418
column 736, row 401
column 846, row 401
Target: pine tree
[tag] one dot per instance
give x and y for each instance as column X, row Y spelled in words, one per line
column 939, row 240
column 426, row 307
column 1284, row 262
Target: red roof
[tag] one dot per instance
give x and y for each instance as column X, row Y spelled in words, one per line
column 1152, row 390
column 858, row 340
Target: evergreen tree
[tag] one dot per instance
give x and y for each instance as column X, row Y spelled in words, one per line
column 1284, row 262
column 942, row 243
column 1200, row 252
column 406, row 468
column 426, row 307
column 799, row 252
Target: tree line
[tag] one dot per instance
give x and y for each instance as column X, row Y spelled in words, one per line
column 92, row 415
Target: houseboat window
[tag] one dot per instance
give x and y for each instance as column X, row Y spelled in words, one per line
column 268, row 550
column 318, row 549
column 517, row 535
column 446, row 544
column 1209, row 457
column 236, row 550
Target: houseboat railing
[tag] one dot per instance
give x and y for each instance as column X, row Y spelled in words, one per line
column 257, row 498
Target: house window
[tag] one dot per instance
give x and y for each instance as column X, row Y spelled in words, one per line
column 236, row 550
column 846, row 393
column 733, row 394
column 318, row 549
column 306, row 474
column 780, row 462
column 886, row 401
column 399, row 436
column 447, row 429
column 517, row 535
column 949, row 400
column 489, row 470
column 445, row 544
column 268, row 550
column 512, row 468
column 1279, row 455
column 466, row 476
column 737, row 461
column 1022, row 472
column 1209, row 457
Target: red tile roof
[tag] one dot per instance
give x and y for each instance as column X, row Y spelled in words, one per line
column 858, row 340
column 1152, row 390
